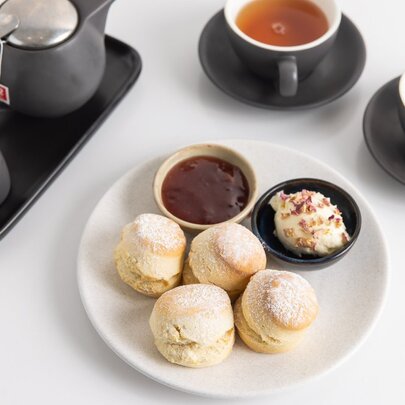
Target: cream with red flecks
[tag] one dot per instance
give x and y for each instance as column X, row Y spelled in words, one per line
column 308, row 223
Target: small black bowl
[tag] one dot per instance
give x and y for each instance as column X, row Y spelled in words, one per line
column 263, row 222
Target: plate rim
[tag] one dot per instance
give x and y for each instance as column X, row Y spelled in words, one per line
column 256, row 394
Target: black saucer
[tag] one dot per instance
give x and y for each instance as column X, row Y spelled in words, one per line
column 36, row 150
column 383, row 132
column 335, row 75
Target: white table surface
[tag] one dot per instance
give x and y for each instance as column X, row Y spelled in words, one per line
column 49, row 352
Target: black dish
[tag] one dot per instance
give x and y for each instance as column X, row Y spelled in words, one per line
column 263, row 222
column 36, row 150
column 383, row 133
column 333, row 77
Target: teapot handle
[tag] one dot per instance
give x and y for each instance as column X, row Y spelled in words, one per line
column 88, row 8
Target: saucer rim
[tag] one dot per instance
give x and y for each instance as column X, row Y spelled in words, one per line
column 274, row 107
column 367, row 135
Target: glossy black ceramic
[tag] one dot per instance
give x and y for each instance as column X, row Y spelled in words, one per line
column 266, row 63
column 4, row 179
column 337, row 73
column 401, row 112
column 56, row 81
column 401, row 109
column 37, row 149
column 383, row 133
column 263, row 222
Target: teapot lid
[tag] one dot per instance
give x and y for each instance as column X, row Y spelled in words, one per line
column 43, row 23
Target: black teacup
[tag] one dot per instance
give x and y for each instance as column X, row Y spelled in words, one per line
column 285, row 65
column 401, row 100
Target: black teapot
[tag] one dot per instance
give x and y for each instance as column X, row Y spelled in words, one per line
column 4, row 179
column 52, row 54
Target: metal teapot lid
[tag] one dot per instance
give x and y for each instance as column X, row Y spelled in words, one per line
column 43, row 23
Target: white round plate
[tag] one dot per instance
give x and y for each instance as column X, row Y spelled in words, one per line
column 351, row 293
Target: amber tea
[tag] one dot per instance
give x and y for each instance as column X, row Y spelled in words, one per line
column 282, row 22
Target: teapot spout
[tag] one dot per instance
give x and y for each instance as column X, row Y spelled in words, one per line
column 90, row 8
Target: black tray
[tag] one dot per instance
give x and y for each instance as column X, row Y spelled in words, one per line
column 37, row 150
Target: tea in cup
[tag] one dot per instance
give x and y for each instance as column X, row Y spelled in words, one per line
column 282, row 40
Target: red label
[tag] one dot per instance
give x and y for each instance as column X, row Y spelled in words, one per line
column 4, row 95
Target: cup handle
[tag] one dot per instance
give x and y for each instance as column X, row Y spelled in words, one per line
column 288, row 76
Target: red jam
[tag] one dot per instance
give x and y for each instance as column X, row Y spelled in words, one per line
column 205, row 190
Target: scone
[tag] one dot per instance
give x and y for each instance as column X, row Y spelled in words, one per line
column 193, row 325
column 275, row 311
column 225, row 255
column 188, row 276
column 150, row 254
